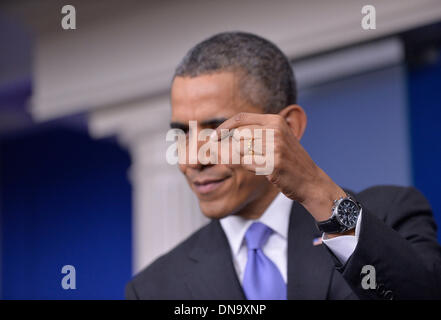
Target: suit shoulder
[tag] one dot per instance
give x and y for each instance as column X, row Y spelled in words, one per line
column 390, row 193
column 385, row 199
column 167, row 268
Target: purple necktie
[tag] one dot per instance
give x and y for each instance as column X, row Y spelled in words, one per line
column 262, row 279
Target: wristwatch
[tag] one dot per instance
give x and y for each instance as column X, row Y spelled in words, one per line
column 345, row 212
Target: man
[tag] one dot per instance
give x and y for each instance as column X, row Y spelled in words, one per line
column 294, row 233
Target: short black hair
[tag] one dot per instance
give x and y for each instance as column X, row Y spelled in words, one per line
column 268, row 78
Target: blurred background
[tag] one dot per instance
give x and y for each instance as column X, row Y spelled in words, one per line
column 83, row 116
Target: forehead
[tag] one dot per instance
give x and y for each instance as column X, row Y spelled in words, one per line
column 207, row 96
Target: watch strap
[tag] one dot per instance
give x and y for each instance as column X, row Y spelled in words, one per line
column 330, row 226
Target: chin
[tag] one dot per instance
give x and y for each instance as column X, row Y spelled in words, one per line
column 213, row 210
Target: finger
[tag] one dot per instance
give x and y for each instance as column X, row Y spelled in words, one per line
column 240, row 120
column 230, row 151
column 249, row 140
column 248, row 146
column 247, row 132
column 260, row 164
column 257, row 164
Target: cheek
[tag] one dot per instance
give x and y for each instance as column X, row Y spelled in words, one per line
column 249, row 183
column 183, row 168
column 244, row 178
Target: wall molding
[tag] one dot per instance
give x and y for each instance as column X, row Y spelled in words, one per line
column 108, row 61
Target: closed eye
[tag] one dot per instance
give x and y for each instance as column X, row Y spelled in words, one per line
column 179, row 125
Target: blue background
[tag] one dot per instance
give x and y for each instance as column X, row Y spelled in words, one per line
column 425, row 122
column 65, row 200
column 358, row 129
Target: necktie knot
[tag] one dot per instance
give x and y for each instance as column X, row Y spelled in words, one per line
column 257, row 235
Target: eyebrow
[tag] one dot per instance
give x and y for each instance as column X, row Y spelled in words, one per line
column 179, row 125
column 214, row 122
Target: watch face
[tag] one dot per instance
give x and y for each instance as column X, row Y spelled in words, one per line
column 347, row 213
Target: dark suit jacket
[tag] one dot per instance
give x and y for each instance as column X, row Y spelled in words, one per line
column 397, row 237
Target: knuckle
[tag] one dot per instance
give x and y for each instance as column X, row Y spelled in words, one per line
column 278, row 119
column 277, row 147
column 277, row 159
column 275, row 176
column 240, row 117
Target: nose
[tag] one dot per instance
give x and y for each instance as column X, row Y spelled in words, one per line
column 193, row 147
column 199, row 166
column 196, row 163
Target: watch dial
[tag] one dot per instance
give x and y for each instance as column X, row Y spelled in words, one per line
column 348, row 213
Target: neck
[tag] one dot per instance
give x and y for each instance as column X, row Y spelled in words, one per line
column 255, row 208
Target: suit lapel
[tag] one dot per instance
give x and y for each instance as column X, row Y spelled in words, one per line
column 309, row 267
column 213, row 276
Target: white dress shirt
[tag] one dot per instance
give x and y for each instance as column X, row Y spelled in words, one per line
column 276, row 216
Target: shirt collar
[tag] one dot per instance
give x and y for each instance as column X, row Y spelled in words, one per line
column 276, row 216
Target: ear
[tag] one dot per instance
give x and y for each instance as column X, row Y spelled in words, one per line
column 296, row 119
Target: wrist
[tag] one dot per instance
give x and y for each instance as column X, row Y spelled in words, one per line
column 320, row 197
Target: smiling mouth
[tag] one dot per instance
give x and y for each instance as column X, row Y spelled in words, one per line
column 208, row 186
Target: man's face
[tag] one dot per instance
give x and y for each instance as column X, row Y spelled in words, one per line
column 210, row 100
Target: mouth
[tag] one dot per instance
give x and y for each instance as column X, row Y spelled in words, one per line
column 206, row 186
